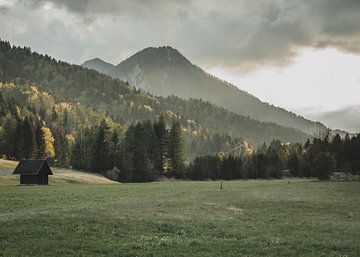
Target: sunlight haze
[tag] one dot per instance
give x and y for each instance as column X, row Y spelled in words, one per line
column 316, row 81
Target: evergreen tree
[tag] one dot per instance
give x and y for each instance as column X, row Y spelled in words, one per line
column 29, row 143
column 127, row 155
column 114, row 150
column 42, row 113
column 337, row 150
column 3, row 106
column 294, row 164
column 143, row 167
column 8, row 137
column 19, row 141
column 161, row 146
column 39, row 142
column 76, row 156
column 87, row 138
column 66, row 120
column 323, row 165
column 100, row 160
column 176, row 151
column 54, row 114
column 63, row 146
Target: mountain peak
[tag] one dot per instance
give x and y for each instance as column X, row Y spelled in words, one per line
column 99, row 65
column 95, row 60
column 163, row 55
column 161, row 50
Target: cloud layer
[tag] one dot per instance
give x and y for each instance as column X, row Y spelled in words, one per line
column 231, row 34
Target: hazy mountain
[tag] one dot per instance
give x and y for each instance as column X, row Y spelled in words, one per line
column 164, row 71
column 99, row 65
column 346, row 118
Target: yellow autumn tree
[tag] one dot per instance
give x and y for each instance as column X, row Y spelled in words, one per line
column 48, row 143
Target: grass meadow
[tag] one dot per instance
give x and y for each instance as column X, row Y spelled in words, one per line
column 289, row 217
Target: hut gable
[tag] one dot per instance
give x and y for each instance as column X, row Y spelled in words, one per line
column 33, row 172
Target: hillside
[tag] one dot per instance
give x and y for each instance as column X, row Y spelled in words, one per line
column 164, row 71
column 116, row 99
column 60, row 176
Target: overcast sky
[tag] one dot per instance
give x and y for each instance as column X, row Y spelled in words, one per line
column 300, row 54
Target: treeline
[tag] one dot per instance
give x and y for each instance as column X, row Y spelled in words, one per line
column 147, row 151
column 319, row 157
column 34, row 125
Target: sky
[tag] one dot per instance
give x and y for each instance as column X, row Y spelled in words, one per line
column 302, row 55
column 317, row 80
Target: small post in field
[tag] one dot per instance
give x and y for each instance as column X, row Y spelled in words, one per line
column 221, row 187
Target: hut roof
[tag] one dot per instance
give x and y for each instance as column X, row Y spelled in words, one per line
column 31, row 167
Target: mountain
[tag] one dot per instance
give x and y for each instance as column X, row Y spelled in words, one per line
column 207, row 127
column 345, row 119
column 165, row 71
column 99, row 65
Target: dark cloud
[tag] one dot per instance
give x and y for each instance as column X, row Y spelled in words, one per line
column 238, row 34
column 4, row 9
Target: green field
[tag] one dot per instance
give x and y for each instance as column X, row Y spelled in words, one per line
column 247, row 218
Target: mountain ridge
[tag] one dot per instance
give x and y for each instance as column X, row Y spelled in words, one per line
column 164, row 71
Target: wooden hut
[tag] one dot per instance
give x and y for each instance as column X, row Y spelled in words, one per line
column 33, row 172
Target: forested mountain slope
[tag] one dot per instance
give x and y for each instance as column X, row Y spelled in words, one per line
column 164, row 71
column 124, row 104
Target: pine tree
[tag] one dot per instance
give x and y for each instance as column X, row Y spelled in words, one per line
column 69, row 143
column 39, row 142
column 294, row 164
column 42, row 113
column 8, row 137
column 76, row 156
column 100, row 160
column 176, row 151
column 19, row 140
column 54, row 114
column 143, row 166
column 114, row 150
column 66, row 120
column 3, row 106
column 337, row 149
column 87, row 138
column 60, row 147
column 323, row 165
column 126, row 155
column 161, row 146
column 29, row 144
